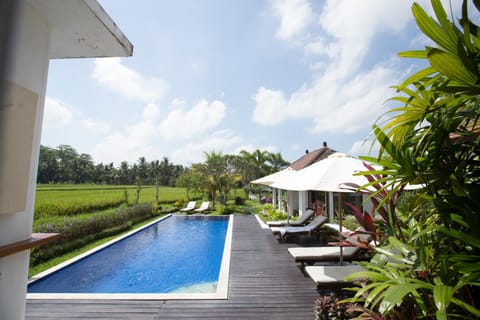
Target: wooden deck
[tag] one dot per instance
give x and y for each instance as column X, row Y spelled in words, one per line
column 265, row 283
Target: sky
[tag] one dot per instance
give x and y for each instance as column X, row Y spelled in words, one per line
column 214, row 75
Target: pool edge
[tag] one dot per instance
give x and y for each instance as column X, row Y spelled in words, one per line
column 224, row 275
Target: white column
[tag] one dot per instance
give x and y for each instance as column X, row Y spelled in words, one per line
column 274, row 198
column 302, row 202
column 290, row 202
column 279, row 200
column 27, row 81
column 331, row 206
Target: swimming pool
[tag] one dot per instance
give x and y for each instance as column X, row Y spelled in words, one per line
column 177, row 257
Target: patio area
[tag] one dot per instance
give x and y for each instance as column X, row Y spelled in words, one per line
column 265, row 283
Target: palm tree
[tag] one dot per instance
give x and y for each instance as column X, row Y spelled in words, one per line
column 277, row 161
column 142, row 168
column 256, row 163
column 214, row 170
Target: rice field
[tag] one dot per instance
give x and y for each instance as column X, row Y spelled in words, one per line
column 68, row 200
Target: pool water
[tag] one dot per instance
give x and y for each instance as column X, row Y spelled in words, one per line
column 177, row 254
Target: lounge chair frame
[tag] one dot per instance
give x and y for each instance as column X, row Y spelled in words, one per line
column 309, row 229
column 190, row 206
column 302, row 220
column 203, row 207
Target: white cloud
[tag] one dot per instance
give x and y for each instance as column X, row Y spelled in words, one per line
column 271, row 107
column 138, row 139
column 125, row 81
column 56, row 114
column 342, row 96
column 295, row 16
column 142, row 137
column 222, row 140
column 332, row 106
column 96, row 126
column 182, row 123
column 151, row 112
column 351, row 106
column 119, row 146
column 352, row 25
column 364, row 148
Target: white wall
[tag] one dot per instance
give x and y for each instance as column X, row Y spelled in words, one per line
column 29, row 70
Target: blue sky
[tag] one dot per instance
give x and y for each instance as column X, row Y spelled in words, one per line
column 279, row 75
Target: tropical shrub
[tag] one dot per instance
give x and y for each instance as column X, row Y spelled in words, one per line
column 270, row 213
column 239, row 201
column 429, row 264
column 179, row 203
column 329, row 307
column 225, row 209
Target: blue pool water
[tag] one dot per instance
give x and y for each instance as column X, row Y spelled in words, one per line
column 176, row 253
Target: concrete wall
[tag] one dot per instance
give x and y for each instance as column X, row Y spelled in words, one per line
column 29, row 70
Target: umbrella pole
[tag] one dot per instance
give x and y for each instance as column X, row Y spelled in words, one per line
column 340, row 218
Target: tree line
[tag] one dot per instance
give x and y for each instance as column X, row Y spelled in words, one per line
column 64, row 164
column 216, row 176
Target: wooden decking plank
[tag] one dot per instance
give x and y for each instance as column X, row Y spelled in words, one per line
column 265, row 283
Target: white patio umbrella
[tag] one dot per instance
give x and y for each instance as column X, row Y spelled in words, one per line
column 272, row 178
column 326, row 175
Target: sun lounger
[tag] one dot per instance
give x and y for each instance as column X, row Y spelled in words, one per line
column 302, row 220
column 332, row 276
column 203, row 207
column 190, row 206
column 310, row 228
column 311, row 255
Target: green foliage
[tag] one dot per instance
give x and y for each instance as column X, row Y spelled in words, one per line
column 430, row 264
column 138, row 190
column 256, row 165
column 225, row 209
column 239, row 201
column 79, row 231
column 179, row 203
column 350, row 222
column 329, row 307
column 68, row 200
column 64, row 165
column 270, row 214
column 125, row 196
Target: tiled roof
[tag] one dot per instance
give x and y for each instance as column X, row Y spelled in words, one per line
column 311, row 157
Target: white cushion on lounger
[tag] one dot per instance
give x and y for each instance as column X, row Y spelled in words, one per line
column 331, row 274
column 322, row 252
